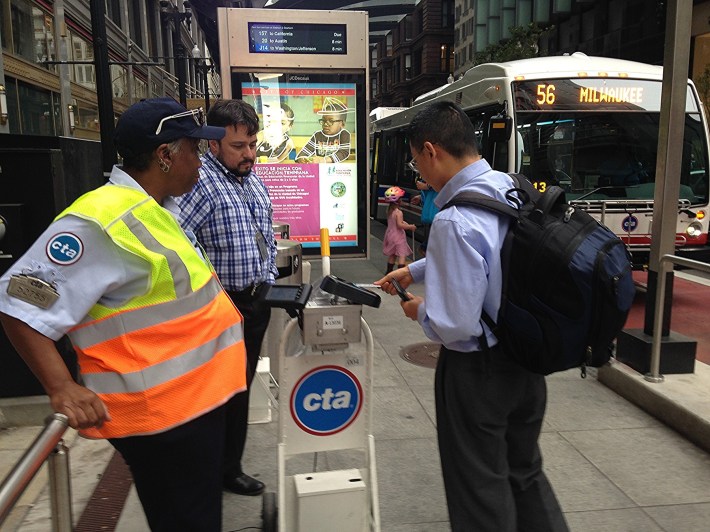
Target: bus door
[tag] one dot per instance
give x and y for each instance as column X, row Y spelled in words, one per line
column 492, row 147
column 374, row 175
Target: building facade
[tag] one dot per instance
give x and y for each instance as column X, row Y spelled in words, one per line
column 416, row 56
column 47, row 68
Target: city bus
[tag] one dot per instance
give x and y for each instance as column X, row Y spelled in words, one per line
column 587, row 124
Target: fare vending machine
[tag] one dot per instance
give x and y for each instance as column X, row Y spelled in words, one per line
column 305, row 73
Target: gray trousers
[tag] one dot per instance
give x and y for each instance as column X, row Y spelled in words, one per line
column 489, row 413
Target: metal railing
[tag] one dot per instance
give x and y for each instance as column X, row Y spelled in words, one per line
column 48, row 446
column 665, row 265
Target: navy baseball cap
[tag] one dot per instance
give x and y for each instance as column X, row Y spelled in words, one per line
column 149, row 123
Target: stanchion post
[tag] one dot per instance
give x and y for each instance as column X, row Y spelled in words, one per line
column 325, row 250
column 60, row 489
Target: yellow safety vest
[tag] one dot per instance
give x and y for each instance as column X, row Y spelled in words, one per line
column 169, row 355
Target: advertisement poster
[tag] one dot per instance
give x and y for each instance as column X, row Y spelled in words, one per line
column 306, row 155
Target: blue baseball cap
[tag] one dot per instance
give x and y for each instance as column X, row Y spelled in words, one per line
column 149, row 123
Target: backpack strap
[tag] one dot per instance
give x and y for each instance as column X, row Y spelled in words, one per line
column 476, row 199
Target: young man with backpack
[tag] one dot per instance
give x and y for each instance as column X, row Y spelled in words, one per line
column 489, row 410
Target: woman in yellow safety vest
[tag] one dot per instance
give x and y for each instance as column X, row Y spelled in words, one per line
column 159, row 343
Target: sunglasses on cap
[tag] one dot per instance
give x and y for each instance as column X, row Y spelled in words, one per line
column 198, row 115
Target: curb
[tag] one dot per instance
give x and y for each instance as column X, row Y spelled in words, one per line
column 681, row 401
column 24, row 411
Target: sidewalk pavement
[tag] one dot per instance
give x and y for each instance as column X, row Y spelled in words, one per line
column 614, row 466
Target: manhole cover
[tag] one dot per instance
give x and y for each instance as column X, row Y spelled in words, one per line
column 424, row 354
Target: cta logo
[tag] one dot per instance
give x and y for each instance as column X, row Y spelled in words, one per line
column 630, row 223
column 65, row 249
column 326, row 400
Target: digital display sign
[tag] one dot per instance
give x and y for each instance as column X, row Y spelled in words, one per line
column 307, row 154
column 284, row 38
column 588, row 94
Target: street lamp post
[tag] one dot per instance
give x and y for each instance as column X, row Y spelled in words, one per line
column 204, row 68
column 169, row 13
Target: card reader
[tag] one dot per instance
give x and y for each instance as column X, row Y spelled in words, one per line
column 353, row 293
column 287, row 296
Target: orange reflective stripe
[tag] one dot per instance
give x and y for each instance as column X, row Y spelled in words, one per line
column 140, row 349
column 91, row 332
column 161, row 408
column 160, row 372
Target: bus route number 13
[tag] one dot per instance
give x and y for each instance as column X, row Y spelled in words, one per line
column 545, row 94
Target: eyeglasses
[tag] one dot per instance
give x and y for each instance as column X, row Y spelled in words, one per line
column 413, row 164
column 198, row 115
column 328, row 122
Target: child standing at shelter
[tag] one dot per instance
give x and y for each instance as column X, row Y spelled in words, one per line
column 395, row 244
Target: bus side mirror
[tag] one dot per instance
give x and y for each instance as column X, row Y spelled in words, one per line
column 500, row 128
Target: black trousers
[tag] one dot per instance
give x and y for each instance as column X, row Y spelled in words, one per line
column 178, row 474
column 489, row 414
column 256, row 320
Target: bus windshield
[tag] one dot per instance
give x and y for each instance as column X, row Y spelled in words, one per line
column 607, row 155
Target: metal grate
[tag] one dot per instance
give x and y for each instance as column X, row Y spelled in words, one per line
column 106, row 503
column 423, row 354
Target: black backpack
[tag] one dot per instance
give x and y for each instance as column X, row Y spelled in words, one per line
column 567, row 285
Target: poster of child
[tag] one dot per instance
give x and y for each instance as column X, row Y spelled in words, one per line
column 331, row 144
column 276, row 145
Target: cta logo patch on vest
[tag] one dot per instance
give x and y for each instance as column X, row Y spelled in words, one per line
column 65, row 249
column 326, row 400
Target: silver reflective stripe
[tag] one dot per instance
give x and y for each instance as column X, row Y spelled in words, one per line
column 139, row 381
column 134, row 320
column 181, row 277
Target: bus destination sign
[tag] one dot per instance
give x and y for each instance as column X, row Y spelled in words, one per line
column 587, row 94
column 283, row 38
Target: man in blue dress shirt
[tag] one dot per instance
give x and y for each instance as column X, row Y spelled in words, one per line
column 489, row 411
column 230, row 213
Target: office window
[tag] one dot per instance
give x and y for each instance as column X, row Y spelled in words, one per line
column 447, row 14
column 135, row 18
column 445, row 58
column 113, row 11
column 119, row 81
column 82, row 50
column 39, row 113
column 417, row 63
column 87, row 116
column 408, row 28
column 29, row 33
column 140, row 88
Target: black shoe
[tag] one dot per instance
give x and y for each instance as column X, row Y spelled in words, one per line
column 244, row 485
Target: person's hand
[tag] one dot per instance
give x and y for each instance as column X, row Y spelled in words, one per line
column 82, row 406
column 421, row 184
column 416, row 200
column 411, row 307
column 412, row 227
column 401, row 274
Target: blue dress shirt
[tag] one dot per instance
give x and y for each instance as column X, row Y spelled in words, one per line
column 462, row 269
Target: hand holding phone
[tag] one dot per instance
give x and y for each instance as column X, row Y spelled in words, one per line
column 401, row 292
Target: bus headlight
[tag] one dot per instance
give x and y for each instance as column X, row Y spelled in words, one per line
column 694, row 230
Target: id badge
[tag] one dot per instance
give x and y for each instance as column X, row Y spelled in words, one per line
column 32, row 290
column 261, row 244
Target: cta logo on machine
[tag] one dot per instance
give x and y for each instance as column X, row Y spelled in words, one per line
column 326, row 400
column 65, row 249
